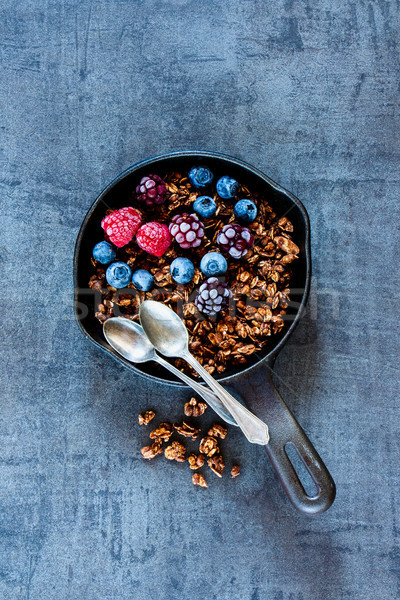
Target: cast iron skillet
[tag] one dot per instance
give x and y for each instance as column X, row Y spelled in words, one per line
column 284, row 430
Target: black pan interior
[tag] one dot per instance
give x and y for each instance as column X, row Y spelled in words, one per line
column 117, row 194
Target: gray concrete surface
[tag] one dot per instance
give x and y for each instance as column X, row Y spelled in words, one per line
column 309, row 93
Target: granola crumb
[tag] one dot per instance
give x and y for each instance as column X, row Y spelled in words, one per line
column 209, row 446
column 198, row 479
column 163, row 431
column 194, row 408
column 196, row 461
column 235, row 471
column 146, row 417
column 187, row 430
column 218, row 431
column 150, row 452
column 216, row 464
column 175, row 452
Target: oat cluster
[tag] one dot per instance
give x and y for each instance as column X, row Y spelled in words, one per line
column 259, row 281
column 146, row 417
column 208, row 450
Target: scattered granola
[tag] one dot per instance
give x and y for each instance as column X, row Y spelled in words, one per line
column 150, row 452
column 209, row 446
column 194, row 408
column 196, row 461
column 187, row 430
column 216, row 464
column 235, row 471
column 175, row 452
column 198, row 479
column 146, row 417
column 163, row 431
column 217, row 431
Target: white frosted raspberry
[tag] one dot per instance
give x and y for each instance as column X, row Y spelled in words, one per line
column 187, row 230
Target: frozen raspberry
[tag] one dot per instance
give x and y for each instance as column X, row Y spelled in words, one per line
column 121, row 225
column 151, row 190
column 154, row 238
column 187, row 230
column 213, row 296
column 235, row 239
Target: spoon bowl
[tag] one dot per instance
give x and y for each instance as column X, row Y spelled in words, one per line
column 129, row 339
column 164, row 328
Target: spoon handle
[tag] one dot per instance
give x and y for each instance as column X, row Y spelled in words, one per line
column 253, row 428
column 205, row 393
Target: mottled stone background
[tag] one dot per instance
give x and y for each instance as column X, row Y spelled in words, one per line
column 307, row 91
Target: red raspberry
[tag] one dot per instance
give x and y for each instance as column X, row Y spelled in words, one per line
column 121, row 225
column 154, row 238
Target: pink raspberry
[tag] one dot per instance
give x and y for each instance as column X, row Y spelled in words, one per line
column 187, row 230
column 154, row 238
column 121, row 225
column 151, row 190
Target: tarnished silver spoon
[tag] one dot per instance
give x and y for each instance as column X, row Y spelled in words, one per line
column 168, row 334
column 129, row 340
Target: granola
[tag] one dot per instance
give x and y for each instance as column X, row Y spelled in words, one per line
column 235, row 471
column 187, row 430
column 146, row 417
column 150, row 452
column 194, row 408
column 209, row 446
column 175, row 452
column 259, row 282
column 216, row 464
column 198, row 479
column 218, row 431
column 163, row 432
column 196, row 461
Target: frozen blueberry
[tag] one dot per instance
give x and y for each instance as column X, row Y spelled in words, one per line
column 212, row 264
column 118, row 275
column 104, row 253
column 142, row 280
column 204, row 206
column 245, row 210
column 227, row 187
column 182, row 270
column 200, row 177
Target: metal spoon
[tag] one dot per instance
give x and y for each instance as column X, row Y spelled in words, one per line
column 168, row 334
column 129, row 339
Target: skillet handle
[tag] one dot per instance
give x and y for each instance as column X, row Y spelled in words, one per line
column 285, row 433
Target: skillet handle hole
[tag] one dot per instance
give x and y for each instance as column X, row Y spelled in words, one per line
column 306, row 479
